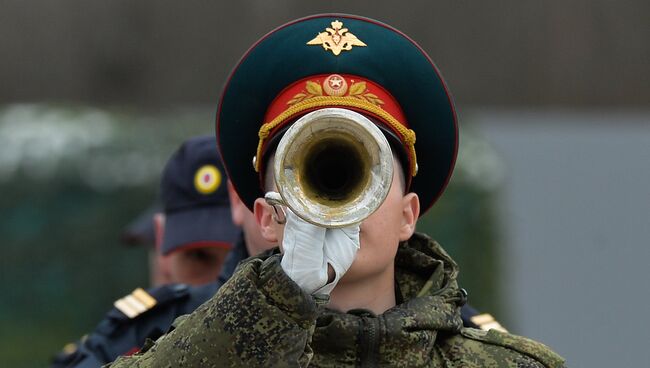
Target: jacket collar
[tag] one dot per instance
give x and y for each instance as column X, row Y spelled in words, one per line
column 429, row 302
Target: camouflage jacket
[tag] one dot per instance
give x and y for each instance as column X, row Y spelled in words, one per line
column 261, row 318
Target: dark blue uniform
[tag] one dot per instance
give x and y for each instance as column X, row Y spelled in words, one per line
column 118, row 334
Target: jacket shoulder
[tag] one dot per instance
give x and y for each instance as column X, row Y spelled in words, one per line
column 478, row 348
column 135, row 317
column 273, row 329
column 170, row 301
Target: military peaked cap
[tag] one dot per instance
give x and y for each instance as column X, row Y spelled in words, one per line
column 345, row 61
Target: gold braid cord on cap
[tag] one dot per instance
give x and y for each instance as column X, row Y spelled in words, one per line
column 408, row 135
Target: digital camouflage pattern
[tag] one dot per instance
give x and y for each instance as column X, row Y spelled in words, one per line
column 261, row 318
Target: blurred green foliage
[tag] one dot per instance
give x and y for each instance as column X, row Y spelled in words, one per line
column 61, row 263
column 72, row 178
column 464, row 223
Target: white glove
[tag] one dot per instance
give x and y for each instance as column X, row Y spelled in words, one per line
column 308, row 249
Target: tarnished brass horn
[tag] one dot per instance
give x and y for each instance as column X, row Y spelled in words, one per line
column 333, row 168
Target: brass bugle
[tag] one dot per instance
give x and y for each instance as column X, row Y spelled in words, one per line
column 333, row 168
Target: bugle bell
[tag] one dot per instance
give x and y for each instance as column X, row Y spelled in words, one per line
column 333, row 168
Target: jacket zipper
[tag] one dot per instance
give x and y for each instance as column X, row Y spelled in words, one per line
column 370, row 342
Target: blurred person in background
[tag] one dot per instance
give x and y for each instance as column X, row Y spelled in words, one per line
column 192, row 232
column 193, row 235
column 195, row 231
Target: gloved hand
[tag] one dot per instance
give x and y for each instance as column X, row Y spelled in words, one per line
column 308, row 249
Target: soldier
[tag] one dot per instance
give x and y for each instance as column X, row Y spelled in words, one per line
column 193, row 232
column 193, row 236
column 196, row 228
column 370, row 294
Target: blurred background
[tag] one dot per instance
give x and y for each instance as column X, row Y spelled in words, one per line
column 548, row 212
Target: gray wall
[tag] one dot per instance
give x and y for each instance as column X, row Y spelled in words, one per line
column 576, row 214
column 509, row 52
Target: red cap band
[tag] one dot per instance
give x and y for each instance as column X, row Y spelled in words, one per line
column 337, row 90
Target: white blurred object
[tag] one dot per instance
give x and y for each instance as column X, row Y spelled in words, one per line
column 39, row 138
column 308, row 249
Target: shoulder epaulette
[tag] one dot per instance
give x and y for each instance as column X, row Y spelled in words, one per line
column 522, row 345
column 141, row 301
column 486, row 322
column 136, row 303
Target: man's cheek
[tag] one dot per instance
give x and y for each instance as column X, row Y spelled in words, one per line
column 279, row 230
column 364, row 239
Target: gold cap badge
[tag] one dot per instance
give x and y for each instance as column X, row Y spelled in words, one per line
column 336, row 39
column 207, row 179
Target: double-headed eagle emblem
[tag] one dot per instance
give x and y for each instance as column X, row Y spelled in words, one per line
column 336, row 39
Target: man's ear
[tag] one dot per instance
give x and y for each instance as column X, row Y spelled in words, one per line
column 264, row 216
column 158, row 229
column 410, row 214
column 237, row 207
